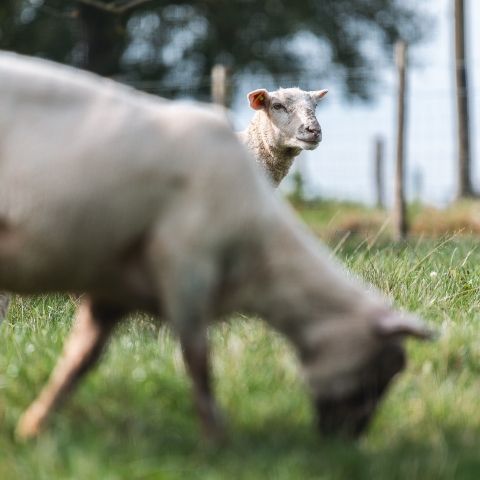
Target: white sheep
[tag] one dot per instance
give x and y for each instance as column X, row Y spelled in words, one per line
column 284, row 124
column 125, row 197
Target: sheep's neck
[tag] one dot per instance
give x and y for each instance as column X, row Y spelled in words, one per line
column 299, row 287
column 275, row 159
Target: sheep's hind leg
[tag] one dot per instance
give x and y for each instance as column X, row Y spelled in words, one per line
column 4, row 302
column 92, row 327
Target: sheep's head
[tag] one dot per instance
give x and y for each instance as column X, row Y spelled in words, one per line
column 350, row 369
column 291, row 112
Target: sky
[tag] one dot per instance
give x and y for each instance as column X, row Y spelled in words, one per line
column 342, row 166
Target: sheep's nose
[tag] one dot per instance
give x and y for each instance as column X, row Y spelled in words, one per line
column 313, row 129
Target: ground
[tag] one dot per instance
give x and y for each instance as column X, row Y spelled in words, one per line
column 133, row 419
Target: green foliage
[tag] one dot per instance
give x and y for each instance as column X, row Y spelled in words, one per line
column 171, row 46
column 297, row 197
column 133, row 419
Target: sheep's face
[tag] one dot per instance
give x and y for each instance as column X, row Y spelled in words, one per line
column 349, row 371
column 291, row 114
column 350, row 413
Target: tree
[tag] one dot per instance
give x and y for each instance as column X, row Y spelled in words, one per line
column 172, row 45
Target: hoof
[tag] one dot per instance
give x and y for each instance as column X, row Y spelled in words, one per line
column 30, row 424
column 214, row 430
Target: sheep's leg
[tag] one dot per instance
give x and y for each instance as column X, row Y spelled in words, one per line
column 187, row 282
column 92, row 327
column 9, row 243
column 195, row 354
column 4, row 302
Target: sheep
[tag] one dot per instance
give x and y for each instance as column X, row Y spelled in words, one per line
column 124, row 197
column 284, row 124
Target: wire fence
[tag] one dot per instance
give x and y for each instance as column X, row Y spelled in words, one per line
column 343, row 166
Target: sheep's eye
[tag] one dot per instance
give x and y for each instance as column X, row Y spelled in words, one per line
column 278, row 106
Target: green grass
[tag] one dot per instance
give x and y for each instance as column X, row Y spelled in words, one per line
column 132, row 418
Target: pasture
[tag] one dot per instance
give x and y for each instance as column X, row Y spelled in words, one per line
column 132, row 418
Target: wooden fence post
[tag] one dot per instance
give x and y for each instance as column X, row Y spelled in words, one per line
column 400, row 217
column 219, row 85
column 465, row 188
column 379, row 172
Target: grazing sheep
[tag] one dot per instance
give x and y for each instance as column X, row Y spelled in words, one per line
column 284, row 124
column 126, row 197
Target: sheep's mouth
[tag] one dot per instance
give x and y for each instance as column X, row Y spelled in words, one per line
column 312, row 143
column 310, row 137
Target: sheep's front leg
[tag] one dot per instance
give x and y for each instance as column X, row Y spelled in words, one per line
column 196, row 356
column 187, row 283
column 92, row 327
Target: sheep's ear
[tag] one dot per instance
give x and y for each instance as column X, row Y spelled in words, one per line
column 400, row 324
column 259, row 99
column 317, row 95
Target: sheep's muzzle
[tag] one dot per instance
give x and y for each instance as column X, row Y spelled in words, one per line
column 350, row 415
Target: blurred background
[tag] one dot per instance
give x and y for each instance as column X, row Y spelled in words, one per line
column 169, row 48
column 378, row 174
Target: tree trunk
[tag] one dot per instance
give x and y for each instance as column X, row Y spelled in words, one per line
column 103, row 40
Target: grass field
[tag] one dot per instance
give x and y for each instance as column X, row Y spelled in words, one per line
column 133, row 419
